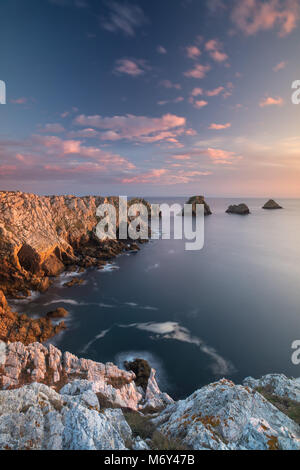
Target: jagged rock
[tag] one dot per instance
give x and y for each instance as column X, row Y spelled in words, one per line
column 194, row 200
column 276, row 384
column 271, row 204
column 71, row 375
column 60, row 312
column 225, row 416
column 74, row 282
column 241, row 209
column 142, row 371
column 35, row 417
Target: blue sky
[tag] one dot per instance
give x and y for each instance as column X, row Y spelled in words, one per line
column 172, row 97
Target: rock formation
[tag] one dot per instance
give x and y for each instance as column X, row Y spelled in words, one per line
column 56, row 401
column 271, row 204
column 40, row 237
column 194, row 200
column 241, row 209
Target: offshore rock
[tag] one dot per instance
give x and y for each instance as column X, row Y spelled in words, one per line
column 241, row 209
column 194, row 200
column 271, row 204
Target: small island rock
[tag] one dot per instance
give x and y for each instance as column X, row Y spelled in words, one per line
column 241, row 209
column 194, row 200
column 271, row 204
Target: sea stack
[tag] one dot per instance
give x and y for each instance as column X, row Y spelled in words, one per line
column 271, row 204
column 241, row 209
column 194, row 200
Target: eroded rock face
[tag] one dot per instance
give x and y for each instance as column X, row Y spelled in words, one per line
column 241, row 209
column 199, row 200
column 276, row 384
column 224, row 416
column 36, row 417
column 271, row 204
column 40, row 237
column 48, row 365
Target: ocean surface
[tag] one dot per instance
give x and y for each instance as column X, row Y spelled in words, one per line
column 230, row 310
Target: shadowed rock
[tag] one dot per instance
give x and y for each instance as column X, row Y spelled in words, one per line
column 58, row 313
column 241, row 209
column 194, row 200
column 142, row 371
column 271, row 204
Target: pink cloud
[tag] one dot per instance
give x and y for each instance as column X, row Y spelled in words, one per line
column 197, row 92
column 166, row 176
column 200, row 104
column 7, row 169
column 22, row 100
column 218, row 127
column 199, row 71
column 135, row 128
column 215, row 92
column 193, row 52
column 269, row 101
column 251, row 16
column 214, row 47
column 279, row 66
column 221, row 157
column 132, row 67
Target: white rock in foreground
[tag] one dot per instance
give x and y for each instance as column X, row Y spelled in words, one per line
column 277, row 384
column 226, row 416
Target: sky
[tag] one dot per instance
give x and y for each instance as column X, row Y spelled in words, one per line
column 150, row 98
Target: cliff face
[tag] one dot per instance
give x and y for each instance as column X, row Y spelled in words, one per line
column 57, row 401
column 40, row 237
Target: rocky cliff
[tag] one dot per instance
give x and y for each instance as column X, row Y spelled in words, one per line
column 55, row 401
column 40, row 237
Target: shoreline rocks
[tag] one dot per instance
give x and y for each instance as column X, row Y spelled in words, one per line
column 240, row 209
column 60, row 312
column 271, row 205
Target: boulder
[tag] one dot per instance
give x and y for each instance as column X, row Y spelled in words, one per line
column 194, row 200
column 58, row 313
column 241, row 209
column 142, row 371
column 271, row 204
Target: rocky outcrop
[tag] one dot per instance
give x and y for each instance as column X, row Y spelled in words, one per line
column 48, row 365
column 58, row 313
column 276, row 384
column 40, row 237
column 271, row 204
column 193, row 201
column 225, row 416
column 89, row 415
column 241, row 209
column 142, row 371
column 15, row 327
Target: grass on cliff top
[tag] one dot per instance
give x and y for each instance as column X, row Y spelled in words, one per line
column 287, row 406
column 142, row 426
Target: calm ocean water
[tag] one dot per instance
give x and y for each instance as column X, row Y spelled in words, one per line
column 231, row 309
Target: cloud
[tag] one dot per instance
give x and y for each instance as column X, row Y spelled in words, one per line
column 166, row 176
column 252, row 16
column 136, row 128
column 214, row 47
column 161, row 50
column 221, row 157
column 192, row 52
column 54, row 128
column 132, row 67
column 22, row 100
column 179, row 99
column 199, row 71
column 197, row 92
column 123, row 17
column 215, row 92
column 269, row 101
column 200, row 104
column 169, row 84
column 279, row 66
column 218, row 127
